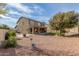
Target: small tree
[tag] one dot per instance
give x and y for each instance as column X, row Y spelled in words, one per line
column 64, row 20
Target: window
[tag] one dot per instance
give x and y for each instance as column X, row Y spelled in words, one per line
column 39, row 24
column 22, row 22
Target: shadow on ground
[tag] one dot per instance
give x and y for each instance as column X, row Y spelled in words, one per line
column 75, row 35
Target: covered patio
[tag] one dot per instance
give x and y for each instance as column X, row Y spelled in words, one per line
column 37, row 30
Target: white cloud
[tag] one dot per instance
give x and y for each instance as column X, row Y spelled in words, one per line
column 7, row 17
column 27, row 9
column 3, row 16
column 14, row 12
column 8, row 20
column 38, row 9
column 19, row 6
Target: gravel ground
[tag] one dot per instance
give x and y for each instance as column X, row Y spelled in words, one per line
column 44, row 45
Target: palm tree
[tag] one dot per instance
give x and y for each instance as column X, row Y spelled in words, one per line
column 2, row 11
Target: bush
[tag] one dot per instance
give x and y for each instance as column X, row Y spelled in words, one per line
column 10, row 39
column 55, row 33
column 59, row 34
column 51, row 33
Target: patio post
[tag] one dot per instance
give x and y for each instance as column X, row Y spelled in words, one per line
column 32, row 30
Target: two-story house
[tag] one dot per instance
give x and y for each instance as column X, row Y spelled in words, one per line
column 27, row 25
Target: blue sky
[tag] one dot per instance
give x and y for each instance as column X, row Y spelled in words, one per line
column 41, row 12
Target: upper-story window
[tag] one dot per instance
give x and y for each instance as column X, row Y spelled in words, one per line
column 42, row 24
column 31, row 23
column 39, row 24
column 22, row 22
column 36, row 23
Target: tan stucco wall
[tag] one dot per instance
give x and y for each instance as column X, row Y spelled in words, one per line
column 74, row 30
column 2, row 34
column 23, row 26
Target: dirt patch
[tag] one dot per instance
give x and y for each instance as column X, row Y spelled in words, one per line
column 45, row 45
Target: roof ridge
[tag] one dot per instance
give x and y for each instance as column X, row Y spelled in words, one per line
column 29, row 19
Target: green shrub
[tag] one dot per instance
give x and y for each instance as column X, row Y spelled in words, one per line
column 10, row 39
column 55, row 33
column 59, row 34
column 51, row 33
column 11, row 33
